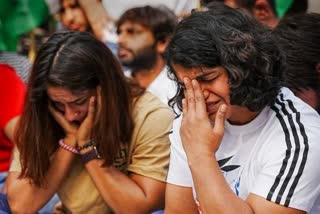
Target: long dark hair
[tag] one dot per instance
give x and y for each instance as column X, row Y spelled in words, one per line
column 75, row 61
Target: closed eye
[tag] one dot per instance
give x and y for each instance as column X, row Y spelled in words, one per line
column 206, row 79
column 58, row 106
column 80, row 102
column 209, row 77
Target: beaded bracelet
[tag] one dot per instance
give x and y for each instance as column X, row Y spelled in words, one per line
column 86, row 145
column 67, row 147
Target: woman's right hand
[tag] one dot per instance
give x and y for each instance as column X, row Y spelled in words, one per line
column 70, row 129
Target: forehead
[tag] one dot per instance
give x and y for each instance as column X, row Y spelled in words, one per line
column 195, row 72
column 68, row 2
column 133, row 25
column 64, row 95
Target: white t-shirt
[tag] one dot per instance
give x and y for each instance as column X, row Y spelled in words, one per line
column 163, row 87
column 275, row 156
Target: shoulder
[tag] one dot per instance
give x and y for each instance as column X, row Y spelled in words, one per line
column 147, row 105
column 152, row 119
column 297, row 119
column 290, row 154
column 294, row 124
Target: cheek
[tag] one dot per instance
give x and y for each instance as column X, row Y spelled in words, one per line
column 82, row 18
column 64, row 20
column 83, row 109
column 139, row 43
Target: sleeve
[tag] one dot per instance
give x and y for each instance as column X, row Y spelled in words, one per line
column 12, row 92
column 179, row 171
column 150, row 155
column 290, row 169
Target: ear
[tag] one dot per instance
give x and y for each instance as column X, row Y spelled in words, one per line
column 264, row 13
column 162, row 45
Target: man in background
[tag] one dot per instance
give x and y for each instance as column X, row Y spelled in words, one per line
column 144, row 33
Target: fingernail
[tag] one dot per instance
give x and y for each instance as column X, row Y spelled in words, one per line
column 223, row 108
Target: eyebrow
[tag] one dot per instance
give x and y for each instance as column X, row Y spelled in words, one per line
column 203, row 75
column 80, row 98
column 73, row 101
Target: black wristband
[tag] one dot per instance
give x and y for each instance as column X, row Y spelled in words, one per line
column 91, row 155
column 86, row 145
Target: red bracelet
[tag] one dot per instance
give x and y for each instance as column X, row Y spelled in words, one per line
column 67, row 147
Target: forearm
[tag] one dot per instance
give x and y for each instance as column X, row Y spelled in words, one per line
column 121, row 193
column 23, row 194
column 96, row 15
column 213, row 192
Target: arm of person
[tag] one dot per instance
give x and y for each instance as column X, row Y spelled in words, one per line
column 143, row 190
column 179, row 199
column 22, row 193
column 97, row 16
column 213, row 193
column 9, row 129
column 126, row 194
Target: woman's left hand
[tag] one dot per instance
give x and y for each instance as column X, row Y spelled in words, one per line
column 70, row 129
column 85, row 129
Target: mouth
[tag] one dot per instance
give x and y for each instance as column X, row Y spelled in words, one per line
column 123, row 53
column 212, row 107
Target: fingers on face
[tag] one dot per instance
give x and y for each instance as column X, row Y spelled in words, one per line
column 92, row 107
column 194, row 98
column 184, row 106
column 98, row 99
column 199, row 98
column 189, row 93
column 57, row 115
column 220, row 119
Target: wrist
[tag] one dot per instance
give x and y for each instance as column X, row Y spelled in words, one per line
column 85, row 150
column 70, row 140
column 67, row 147
column 85, row 144
column 195, row 158
column 89, row 153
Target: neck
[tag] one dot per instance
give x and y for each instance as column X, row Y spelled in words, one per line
column 243, row 116
column 145, row 77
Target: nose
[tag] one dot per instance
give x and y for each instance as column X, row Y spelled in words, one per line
column 121, row 38
column 70, row 114
column 204, row 90
column 68, row 17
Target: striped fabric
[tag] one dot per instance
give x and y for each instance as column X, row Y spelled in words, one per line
column 20, row 63
column 295, row 138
